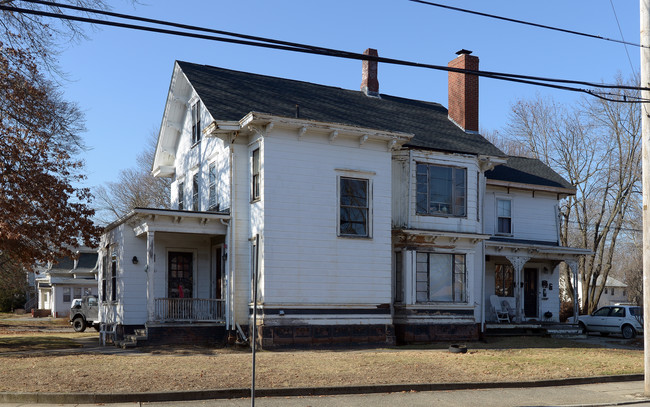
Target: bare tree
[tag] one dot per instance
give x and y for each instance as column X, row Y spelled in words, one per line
column 507, row 144
column 134, row 188
column 596, row 147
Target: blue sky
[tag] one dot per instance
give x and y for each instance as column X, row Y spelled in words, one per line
column 120, row 78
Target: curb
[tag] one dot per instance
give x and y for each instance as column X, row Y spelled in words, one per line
column 90, row 398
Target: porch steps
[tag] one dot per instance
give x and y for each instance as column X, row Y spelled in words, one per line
column 558, row 330
column 139, row 337
column 566, row 331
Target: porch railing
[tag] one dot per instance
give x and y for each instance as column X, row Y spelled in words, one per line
column 190, row 309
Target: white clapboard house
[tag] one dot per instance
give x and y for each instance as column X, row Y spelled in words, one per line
column 67, row 278
column 367, row 218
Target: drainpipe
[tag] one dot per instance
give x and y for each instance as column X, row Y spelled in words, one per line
column 481, row 201
column 227, row 223
column 231, row 249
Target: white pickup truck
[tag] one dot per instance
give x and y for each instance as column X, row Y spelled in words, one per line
column 84, row 313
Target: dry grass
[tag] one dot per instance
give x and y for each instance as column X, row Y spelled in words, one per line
column 167, row 369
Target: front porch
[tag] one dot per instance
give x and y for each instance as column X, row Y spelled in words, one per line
column 522, row 280
column 174, row 310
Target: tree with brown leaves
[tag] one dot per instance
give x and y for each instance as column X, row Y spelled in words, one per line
column 43, row 212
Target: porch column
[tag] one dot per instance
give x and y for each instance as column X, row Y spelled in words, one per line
column 151, row 305
column 573, row 266
column 518, row 263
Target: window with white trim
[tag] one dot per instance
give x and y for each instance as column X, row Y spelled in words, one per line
column 255, row 175
column 77, row 292
column 66, row 294
column 354, row 207
column 504, row 216
column 196, row 122
column 440, row 277
column 504, row 277
column 441, row 190
column 213, row 205
column 114, row 279
column 181, row 196
column 195, row 192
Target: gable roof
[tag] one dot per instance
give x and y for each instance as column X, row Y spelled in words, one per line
column 530, row 171
column 230, row 95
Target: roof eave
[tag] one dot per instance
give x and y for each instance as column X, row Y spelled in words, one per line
column 531, row 187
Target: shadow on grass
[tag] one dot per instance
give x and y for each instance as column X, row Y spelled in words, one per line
column 510, row 342
column 35, row 343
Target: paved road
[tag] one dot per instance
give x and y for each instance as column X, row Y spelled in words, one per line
column 582, row 395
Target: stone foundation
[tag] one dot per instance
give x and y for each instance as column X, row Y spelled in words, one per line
column 421, row 333
column 324, row 336
column 187, row 334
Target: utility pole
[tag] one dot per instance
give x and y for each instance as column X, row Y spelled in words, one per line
column 645, row 158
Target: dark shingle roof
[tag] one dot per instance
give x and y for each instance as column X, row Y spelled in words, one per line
column 230, row 95
column 527, row 171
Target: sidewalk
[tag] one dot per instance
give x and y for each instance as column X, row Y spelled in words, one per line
column 595, row 394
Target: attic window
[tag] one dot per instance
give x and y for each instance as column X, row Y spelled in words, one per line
column 196, row 122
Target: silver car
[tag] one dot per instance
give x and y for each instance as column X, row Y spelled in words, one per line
column 624, row 319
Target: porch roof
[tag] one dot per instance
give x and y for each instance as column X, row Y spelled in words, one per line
column 144, row 220
column 424, row 236
column 548, row 250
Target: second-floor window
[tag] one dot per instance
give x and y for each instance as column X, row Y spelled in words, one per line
column 441, row 190
column 195, row 192
column 212, row 188
column 255, row 175
column 181, row 196
column 196, row 122
column 504, row 216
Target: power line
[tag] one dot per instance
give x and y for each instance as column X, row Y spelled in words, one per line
column 513, row 20
column 622, row 37
column 334, row 52
column 262, row 42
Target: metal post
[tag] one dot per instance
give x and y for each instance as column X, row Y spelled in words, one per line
column 645, row 135
column 254, row 336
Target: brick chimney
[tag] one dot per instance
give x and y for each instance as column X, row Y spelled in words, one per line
column 369, row 82
column 463, row 92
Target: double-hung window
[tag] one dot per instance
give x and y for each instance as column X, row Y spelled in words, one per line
column 213, row 205
column 105, row 278
column 441, row 277
column 354, row 207
column 196, row 122
column 66, row 294
column 504, row 280
column 504, row 216
column 195, row 192
column 114, row 279
column 441, row 190
column 255, row 175
column 181, row 195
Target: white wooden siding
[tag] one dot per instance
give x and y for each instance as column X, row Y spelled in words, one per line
column 533, row 218
column 305, row 261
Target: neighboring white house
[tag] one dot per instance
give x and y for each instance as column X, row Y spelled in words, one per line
column 615, row 292
column 368, row 218
column 68, row 278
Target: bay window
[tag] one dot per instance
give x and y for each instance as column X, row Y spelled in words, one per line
column 441, row 190
column 441, row 277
